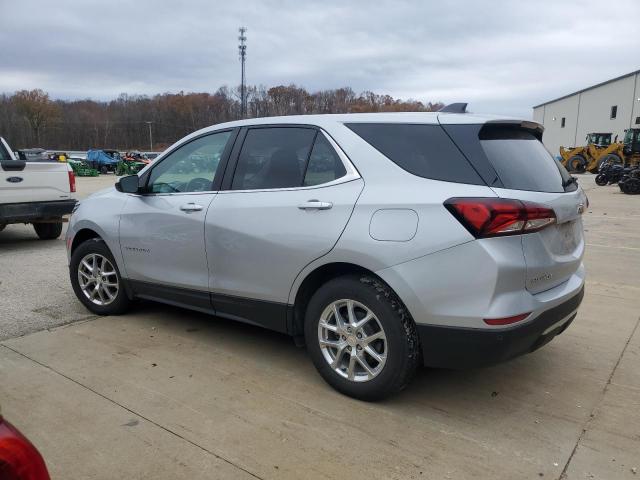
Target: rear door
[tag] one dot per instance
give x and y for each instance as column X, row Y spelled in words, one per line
column 515, row 164
column 288, row 197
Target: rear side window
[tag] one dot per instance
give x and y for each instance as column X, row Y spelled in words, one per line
column 324, row 164
column 521, row 161
column 273, row 158
column 423, row 150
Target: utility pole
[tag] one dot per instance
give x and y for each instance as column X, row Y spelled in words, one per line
column 150, row 137
column 242, row 50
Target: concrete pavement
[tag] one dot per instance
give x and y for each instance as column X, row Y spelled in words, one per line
column 35, row 292
column 167, row 393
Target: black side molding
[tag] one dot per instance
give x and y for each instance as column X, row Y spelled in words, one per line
column 454, row 108
column 13, row 165
column 269, row 315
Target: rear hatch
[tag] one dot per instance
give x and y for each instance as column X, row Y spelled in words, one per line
column 24, row 182
column 513, row 162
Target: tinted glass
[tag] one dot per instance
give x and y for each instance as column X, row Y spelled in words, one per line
column 521, row 161
column 4, row 155
column 190, row 168
column 273, row 158
column 424, row 150
column 324, row 164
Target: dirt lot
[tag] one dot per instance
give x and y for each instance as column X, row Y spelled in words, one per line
column 167, row 393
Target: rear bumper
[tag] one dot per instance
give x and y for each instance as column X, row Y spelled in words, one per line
column 32, row 211
column 451, row 347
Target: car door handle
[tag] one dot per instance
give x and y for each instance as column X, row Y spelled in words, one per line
column 315, row 205
column 191, row 207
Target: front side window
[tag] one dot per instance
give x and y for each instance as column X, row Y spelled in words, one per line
column 190, row 168
column 273, row 158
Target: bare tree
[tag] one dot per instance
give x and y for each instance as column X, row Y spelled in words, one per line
column 37, row 109
column 31, row 117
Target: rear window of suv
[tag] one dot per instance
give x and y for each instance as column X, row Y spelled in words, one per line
column 420, row 149
column 509, row 156
column 521, row 160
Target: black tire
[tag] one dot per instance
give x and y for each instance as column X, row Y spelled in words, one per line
column 601, row 179
column 577, row 164
column 394, row 318
column 121, row 303
column 48, row 231
column 104, row 170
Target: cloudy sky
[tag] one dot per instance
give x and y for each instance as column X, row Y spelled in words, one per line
column 500, row 56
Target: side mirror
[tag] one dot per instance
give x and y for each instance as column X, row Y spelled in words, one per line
column 128, row 184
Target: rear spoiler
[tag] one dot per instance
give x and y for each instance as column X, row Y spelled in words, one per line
column 534, row 127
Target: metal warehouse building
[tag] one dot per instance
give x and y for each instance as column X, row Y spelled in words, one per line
column 608, row 107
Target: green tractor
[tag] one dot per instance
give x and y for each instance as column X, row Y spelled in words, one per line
column 81, row 169
column 128, row 167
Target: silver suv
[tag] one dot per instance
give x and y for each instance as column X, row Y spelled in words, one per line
column 381, row 241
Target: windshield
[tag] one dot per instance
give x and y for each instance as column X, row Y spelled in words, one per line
column 599, row 138
column 631, row 136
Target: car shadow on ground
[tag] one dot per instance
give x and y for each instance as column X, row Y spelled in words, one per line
column 458, row 392
column 19, row 236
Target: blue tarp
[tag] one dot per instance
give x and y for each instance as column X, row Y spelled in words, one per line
column 100, row 158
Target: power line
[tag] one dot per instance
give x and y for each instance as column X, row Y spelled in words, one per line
column 242, row 50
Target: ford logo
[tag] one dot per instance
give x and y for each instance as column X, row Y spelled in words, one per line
column 14, row 179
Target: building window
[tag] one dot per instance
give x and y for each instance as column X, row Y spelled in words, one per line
column 562, row 122
column 637, row 120
column 614, row 112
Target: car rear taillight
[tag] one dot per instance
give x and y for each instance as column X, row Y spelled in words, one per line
column 493, row 217
column 19, row 459
column 72, row 181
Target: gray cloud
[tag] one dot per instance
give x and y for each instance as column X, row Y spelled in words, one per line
column 501, row 56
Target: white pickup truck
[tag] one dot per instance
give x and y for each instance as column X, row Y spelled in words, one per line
column 35, row 192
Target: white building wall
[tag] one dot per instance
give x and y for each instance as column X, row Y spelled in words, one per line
column 590, row 111
column 554, row 134
column 635, row 117
column 595, row 109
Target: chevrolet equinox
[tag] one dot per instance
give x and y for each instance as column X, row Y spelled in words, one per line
column 381, row 241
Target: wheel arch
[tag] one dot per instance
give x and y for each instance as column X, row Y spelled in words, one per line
column 314, row 280
column 82, row 236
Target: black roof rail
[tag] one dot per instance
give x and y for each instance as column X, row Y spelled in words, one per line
column 454, row 108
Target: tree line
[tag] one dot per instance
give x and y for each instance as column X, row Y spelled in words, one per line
column 30, row 118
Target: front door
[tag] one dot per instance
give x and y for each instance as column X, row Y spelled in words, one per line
column 290, row 199
column 162, row 230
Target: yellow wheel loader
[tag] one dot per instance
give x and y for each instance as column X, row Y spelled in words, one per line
column 589, row 157
column 625, row 153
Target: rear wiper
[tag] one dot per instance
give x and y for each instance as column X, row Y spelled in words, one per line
column 569, row 181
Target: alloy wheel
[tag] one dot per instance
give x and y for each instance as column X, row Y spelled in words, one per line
column 98, row 279
column 352, row 340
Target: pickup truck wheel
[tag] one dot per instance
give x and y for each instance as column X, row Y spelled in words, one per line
column 48, row 231
column 361, row 337
column 96, row 280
